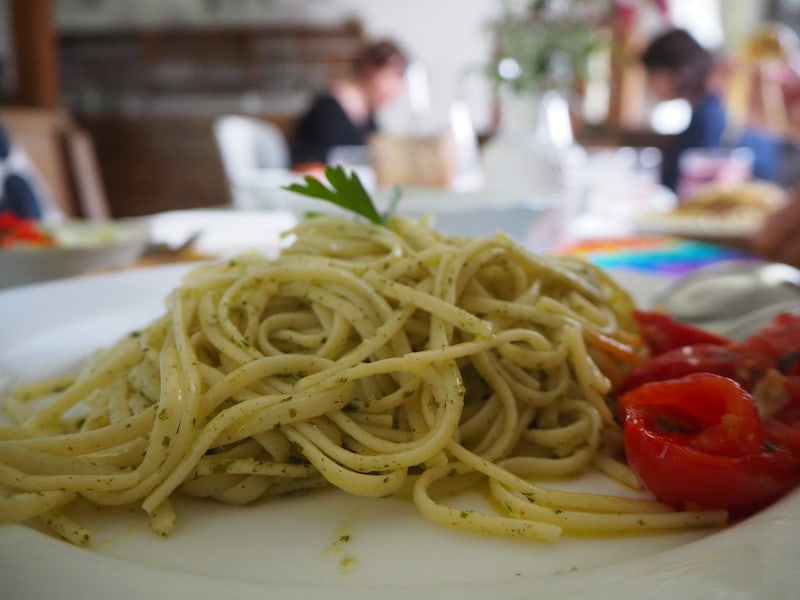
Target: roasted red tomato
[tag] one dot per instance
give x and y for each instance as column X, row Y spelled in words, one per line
column 780, row 341
column 778, row 396
column 698, row 442
column 662, row 333
column 744, row 365
column 17, row 231
column 777, row 346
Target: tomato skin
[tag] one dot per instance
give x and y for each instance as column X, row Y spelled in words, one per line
column 663, row 333
column 693, row 434
column 686, row 478
column 716, row 456
column 783, row 426
column 743, row 365
column 780, row 341
column 714, row 414
column 15, row 230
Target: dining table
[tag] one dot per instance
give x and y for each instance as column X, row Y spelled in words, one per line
column 296, row 551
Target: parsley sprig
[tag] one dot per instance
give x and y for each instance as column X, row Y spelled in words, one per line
column 346, row 191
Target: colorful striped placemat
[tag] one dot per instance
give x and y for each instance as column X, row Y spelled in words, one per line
column 653, row 254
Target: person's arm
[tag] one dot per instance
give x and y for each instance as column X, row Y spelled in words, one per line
column 779, row 238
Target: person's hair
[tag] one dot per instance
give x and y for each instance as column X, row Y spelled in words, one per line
column 679, row 53
column 376, row 55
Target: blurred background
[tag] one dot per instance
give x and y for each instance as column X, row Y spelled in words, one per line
column 137, row 86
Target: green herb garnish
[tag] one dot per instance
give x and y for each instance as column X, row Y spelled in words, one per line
column 347, row 192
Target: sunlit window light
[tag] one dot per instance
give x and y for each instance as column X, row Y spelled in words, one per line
column 509, row 69
column 671, row 116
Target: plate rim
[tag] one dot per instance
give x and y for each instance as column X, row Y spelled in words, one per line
column 130, row 580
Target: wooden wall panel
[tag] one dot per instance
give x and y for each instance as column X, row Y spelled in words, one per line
column 35, row 54
column 152, row 164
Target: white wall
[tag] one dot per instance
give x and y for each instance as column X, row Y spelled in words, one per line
column 448, row 36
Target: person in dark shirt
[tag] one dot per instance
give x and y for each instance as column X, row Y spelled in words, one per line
column 679, row 67
column 344, row 115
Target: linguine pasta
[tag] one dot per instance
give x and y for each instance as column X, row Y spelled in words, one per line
column 380, row 360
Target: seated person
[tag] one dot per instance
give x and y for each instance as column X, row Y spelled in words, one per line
column 21, row 190
column 764, row 92
column 779, row 239
column 344, row 115
column 679, row 67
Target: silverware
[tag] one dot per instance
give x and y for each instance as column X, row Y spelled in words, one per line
column 162, row 250
column 732, row 297
column 750, row 324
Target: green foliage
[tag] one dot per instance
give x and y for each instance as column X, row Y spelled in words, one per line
column 345, row 191
column 550, row 40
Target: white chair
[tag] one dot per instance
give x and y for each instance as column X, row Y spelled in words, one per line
column 248, row 146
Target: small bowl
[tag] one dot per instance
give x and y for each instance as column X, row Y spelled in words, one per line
column 81, row 247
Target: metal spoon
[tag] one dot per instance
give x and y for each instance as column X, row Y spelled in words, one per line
column 166, row 251
column 718, row 296
column 750, row 324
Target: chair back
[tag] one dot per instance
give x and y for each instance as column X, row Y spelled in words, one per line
column 247, row 145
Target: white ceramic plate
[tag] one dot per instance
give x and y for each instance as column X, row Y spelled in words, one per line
column 222, row 232
column 456, row 213
column 81, row 246
column 288, row 548
column 754, row 200
column 697, row 226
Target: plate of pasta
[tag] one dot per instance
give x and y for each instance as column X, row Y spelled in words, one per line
column 32, row 252
column 378, row 410
column 717, row 211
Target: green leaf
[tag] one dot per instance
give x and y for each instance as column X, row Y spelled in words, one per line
column 312, row 188
column 347, row 192
column 352, row 193
column 394, row 200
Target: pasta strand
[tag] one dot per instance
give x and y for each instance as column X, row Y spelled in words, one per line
column 381, row 360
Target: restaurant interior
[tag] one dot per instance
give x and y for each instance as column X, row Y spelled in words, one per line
column 535, row 118
column 554, row 354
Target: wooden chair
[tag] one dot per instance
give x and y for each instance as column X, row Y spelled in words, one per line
column 64, row 155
